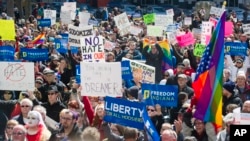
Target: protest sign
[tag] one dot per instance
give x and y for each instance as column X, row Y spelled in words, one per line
column 149, row 18
column 241, row 118
column 17, row 76
column 126, row 70
column 199, row 49
column 142, row 72
column 84, row 18
column 92, row 49
column 124, row 112
column 216, row 11
column 122, row 23
column 172, row 37
column 7, row 29
column 44, row 22
column 74, row 50
column 163, row 20
column 228, row 28
column 65, row 17
column 50, row 14
column 171, row 28
column 185, row 40
column 34, row 54
column 78, row 74
column 164, row 95
column 155, row 31
column 61, row 45
column 246, row 28
column 75, row 33
column 170, row 12
column 93, row 22
column 213, row 21
column 7, row 53
column 101, row 79
column 236, row 48
column 135, row 30
column 205, row 39
column 206, row 28
column 69, row 6
column 197, row 33
column 109, row 45
column 187, row 21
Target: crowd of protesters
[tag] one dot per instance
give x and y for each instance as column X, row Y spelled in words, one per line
column 55, row 110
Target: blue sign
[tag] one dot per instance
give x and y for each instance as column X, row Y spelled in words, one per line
column 61, row 45
column 74, row 50
column 126, row 70
column 65, row 35
column 78, row 74
column 150, row 127
column 165, row 95
column 124, row 112
column 93, row 22
column 7, row 53
column 236, row 48
column 44, row 22
column 34, row 54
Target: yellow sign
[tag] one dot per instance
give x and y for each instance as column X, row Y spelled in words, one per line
column 7, row 30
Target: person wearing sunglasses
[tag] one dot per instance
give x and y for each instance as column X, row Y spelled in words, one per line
column 26, row 105
column 154, row 112
column 19, row 133
column 9, row 129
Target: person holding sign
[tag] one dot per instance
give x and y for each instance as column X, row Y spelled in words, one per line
column 154, row 58
column 154, row 112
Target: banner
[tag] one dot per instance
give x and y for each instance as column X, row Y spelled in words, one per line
column 7, row 53
column 44, row 22
column 126, row 70
column 122, row 23
column 185, row 40
column 34, row 54
column 17, row 76
column 7, row 28
column 155, row 31
column 141, row 71
column 124, row 112
column 92, row 48
column 199, row 49
column 75, row 34
column 78, row 74
column 236, row 48
column 84, row 18
column 50, row 14
column 149, row 18
column 163, row 20
column 164, row 95
column 101, row 79
column 61, row 45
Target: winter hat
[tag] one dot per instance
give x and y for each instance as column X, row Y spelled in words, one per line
column 133, row 91
column 229, row 86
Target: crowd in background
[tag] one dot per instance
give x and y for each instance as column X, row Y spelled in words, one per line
column 55, row 110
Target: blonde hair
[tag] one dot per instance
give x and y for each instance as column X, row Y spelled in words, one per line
column 91, row 133
column 12, row 122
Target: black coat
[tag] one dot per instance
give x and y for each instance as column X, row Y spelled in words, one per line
column 54, row 109
column 234, row 99
column 154, row 60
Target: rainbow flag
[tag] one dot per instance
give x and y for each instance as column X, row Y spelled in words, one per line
column 167, row 62
column 39, row 39
column 208, row 81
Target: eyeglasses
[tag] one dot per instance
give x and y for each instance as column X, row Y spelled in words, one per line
column 65, row 118
column 17, row 133
column 8, row 127
column 152, row 110
column 51, row 93
column 25, row 106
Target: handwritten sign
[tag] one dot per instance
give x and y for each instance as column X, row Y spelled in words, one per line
column 50, row 14
column 17, row 76
column 7, row 30
column 206, row 28
column 185, row 40
column 101, row 79
column 149, row 18
column 75, row 33
column 122, row 23
column 163, row 20
column 216, row 11
column 170, row 12
column 199, row 49
column 84, row 18
column 135, row 30
column 246, row 28
column 155, row 31
column 64, row 16
column 92, row 49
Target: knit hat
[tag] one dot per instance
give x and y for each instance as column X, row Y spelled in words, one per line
column 229, row 86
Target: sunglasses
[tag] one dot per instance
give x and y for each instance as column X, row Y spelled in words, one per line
column 152, row 110
column 51, row 93
column 25, row 106
column 17, row 133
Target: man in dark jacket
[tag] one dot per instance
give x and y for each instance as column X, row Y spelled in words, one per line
column 68, row 127
column 230, row 96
